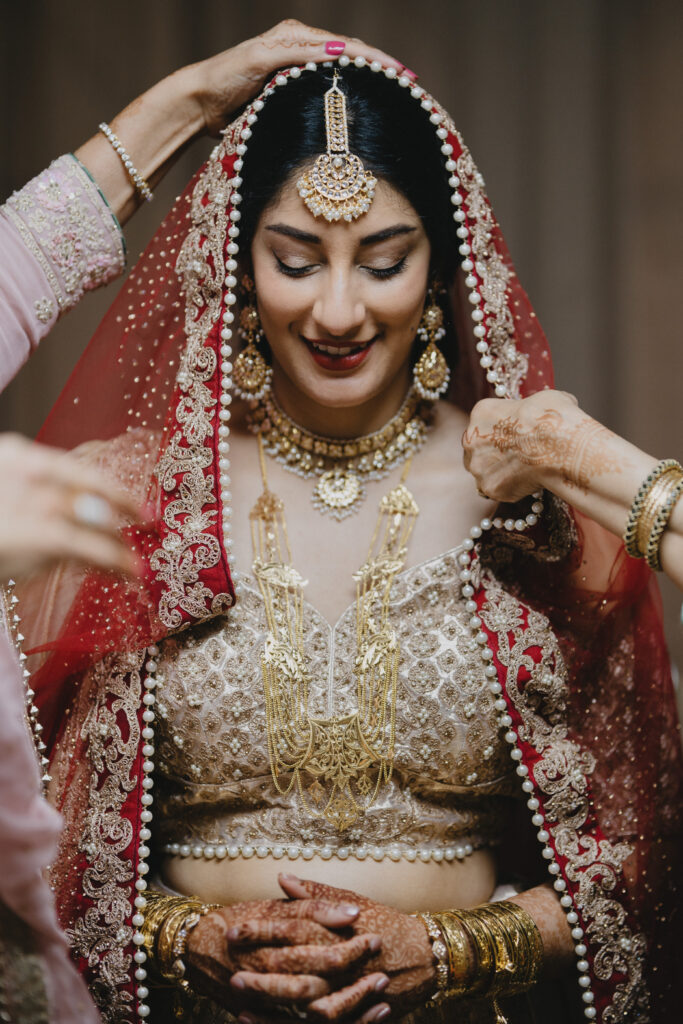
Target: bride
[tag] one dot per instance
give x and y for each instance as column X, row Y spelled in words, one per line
column 342, row 661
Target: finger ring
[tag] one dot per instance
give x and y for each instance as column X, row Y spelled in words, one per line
column 91, row 510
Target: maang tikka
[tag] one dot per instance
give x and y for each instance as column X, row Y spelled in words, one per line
column 337, row 187
column 251, row 375
column 431, row 374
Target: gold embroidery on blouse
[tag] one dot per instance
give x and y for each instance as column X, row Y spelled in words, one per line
column 562, row 775
column 452, row 781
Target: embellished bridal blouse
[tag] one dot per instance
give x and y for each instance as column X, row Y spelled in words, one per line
column 452, row 780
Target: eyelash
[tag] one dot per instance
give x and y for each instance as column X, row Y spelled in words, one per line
column 379, row 273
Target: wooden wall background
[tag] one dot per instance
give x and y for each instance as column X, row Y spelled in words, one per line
column 572, row 109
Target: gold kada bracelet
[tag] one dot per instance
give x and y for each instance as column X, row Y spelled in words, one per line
column 168, row 923
column 651, row 509
column 491, row 951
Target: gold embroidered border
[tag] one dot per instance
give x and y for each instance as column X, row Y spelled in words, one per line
column 561, row 774
column 106, row 720
column 190, row 546
column 510, row 364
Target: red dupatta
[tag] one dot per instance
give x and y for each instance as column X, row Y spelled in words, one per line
column 592, row 717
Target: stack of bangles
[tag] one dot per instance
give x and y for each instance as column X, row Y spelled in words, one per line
column 651, row 511
column 168, row 921
column 492, row 951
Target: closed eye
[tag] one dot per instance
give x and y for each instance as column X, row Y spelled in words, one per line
column 384, row 272
column 380, row 273
column 285, row 268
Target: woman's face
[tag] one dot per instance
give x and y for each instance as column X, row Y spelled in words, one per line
column 340, row 303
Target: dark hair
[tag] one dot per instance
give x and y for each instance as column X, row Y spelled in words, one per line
column 388, row 130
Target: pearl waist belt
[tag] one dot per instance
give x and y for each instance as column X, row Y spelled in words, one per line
column 210, row 851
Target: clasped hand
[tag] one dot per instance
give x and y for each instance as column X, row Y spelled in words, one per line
column 327, row 953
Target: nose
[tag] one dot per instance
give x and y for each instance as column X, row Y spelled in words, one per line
column 339, row 310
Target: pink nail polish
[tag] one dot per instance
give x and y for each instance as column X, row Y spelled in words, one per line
column 381, row 984
column 349, row 908
column 335, row 47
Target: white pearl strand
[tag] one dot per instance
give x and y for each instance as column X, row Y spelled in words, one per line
column 151, row 678
column 465, row 559
column 13, row 624
column 219, row 851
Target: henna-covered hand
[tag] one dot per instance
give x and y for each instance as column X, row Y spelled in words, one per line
column 253, row 956
column 513, row 448
column 224, row 83
column 405, row 955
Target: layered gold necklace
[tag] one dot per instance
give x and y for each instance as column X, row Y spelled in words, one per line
column 342, row 466
column 337, row 764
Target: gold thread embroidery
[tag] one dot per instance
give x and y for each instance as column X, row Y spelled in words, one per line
column 562, row 775
column 106, row 720
column 190, row 547
column 509, row 363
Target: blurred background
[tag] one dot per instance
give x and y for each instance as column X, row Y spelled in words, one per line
column 572, row 109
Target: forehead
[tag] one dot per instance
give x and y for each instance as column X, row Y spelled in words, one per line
column 388, row 208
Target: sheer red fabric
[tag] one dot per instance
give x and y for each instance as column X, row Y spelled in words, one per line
column 143, row 402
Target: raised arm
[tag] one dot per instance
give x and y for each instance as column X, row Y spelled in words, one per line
column 202, row 99
column 60, row 235
column 513, row 448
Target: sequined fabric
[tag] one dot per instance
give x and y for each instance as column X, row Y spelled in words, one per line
column 452, row 779
column 66, row 224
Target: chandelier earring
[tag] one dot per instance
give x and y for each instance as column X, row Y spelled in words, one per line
column 431, row 374
column 251, row 375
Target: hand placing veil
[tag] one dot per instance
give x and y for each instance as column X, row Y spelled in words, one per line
column 547, row 441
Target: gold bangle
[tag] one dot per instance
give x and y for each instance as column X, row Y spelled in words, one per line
column 661, row 522
column 494, row 950
column 168, row 922
column 440, row 951
column 652, row 505
column 460, row 953
column 631, row 531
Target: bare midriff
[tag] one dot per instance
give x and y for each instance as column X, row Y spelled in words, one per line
column 408, row 886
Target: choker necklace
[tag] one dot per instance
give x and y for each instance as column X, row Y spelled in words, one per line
column 342, row 465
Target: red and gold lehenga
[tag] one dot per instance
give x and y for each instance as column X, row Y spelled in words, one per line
column 582, row 686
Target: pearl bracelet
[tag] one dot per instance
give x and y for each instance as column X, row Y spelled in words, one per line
column 140, row 184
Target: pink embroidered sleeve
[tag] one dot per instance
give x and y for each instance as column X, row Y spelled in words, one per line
column 58, row 239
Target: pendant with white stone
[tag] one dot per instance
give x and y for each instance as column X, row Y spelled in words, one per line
column 339, row 493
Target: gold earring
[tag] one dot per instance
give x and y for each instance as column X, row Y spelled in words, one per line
column 430, row 373
column 251, row 375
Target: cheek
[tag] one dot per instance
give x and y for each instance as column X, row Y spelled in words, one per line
column 400, row 307
column 279, row 301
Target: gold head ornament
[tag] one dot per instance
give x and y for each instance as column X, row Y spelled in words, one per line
column 337, row 187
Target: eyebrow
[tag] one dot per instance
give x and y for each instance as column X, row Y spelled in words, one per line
column 306, row 236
